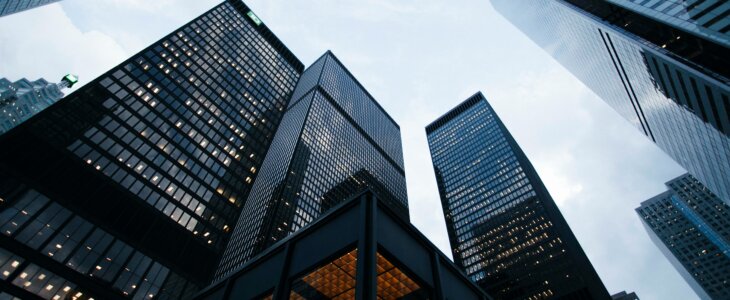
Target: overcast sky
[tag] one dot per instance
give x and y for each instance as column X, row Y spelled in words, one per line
column 418, row 58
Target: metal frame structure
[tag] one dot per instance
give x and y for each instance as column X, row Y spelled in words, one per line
column 364, row 223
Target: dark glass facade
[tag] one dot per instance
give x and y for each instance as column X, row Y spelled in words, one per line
column 362, row 249
column 505, row 230
column 334, row 140
column 130, row 186
column 670, row 81
column 691, row 226
column 706, row 18
column 12, row 6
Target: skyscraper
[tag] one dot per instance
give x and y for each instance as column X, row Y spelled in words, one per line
column 624, row 296
column 23, row 99
column 505, row 230
column 12, row 6
column 691, row 226
column 334, row 140
column 664, row 70
column 129, row 187
column 362, row 249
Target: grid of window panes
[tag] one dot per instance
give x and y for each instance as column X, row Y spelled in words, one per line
column 12, row 6
column 329, row 73
column 500, row 230
column 695, row 227
column 338, row 150
column 677, row 103
column 34, row 279
column 273, row 172
column 710, row 18
column 47, row 227
column 190, row 119
column 362, row 108
column 317, row 148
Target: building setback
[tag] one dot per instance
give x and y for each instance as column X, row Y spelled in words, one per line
column 130, row 186
column 13, row 6
column 664, row 70
column 334, row 140
column 691, row 226
column 23, row 99
column 505, row 230
column 361, row 249
column 624, row 296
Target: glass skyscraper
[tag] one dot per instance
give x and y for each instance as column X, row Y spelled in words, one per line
column 23, row 99
column 691, row 226
column 130, row 186
column 334, row 140
column 664, row 70
column 12, row 6
column 505, row 230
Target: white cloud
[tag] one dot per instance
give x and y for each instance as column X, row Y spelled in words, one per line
column 134, row 23
column 54, row 47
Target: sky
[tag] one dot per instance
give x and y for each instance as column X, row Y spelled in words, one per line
column 418, row 58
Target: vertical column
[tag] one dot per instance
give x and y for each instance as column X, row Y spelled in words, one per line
column 436, row 271
column 281, row 291
column 365, row 288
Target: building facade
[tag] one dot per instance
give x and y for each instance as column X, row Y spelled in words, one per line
column 691, row 226
column 334, row 140
column 361, row 249
column 657, row 67
column 23, row 99
column 130, row 186
column 13, row 6
column 505, row 230
column 708, row 19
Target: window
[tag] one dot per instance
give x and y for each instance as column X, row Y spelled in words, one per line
column 335, row 280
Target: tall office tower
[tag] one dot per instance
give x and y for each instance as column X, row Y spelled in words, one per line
column 664, row 71
column 129, row 186
column 691, row 226
column 506, row 232
column 12, row 6
column 23, row 99
column 334, row 140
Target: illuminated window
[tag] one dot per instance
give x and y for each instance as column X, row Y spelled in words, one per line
column 335, row 280
column 8, row 263
column 394, row 284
